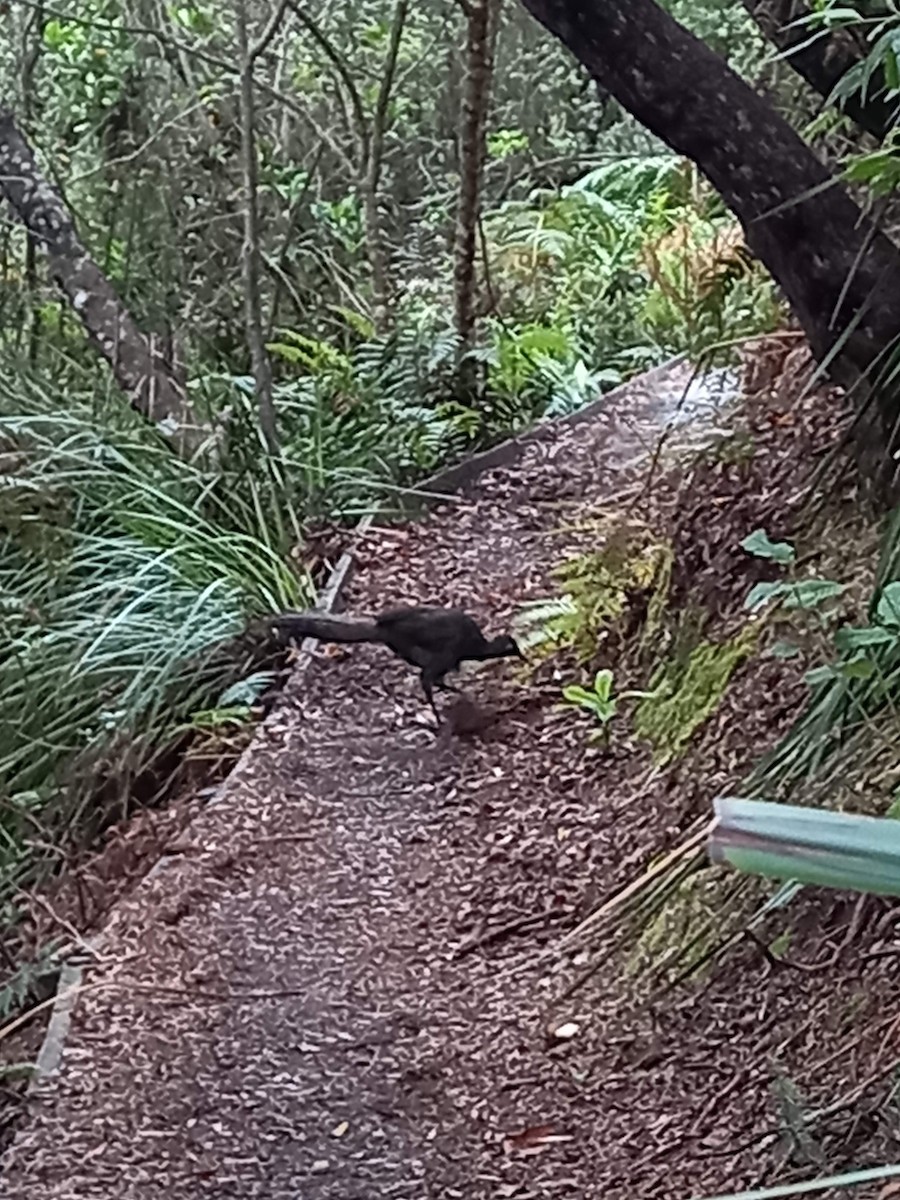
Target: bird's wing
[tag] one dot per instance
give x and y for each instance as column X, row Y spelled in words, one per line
column 426, row 623
column 433, row 630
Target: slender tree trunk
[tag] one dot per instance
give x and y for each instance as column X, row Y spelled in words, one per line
column 138, row 368
column 483, row 18
column 825, row 59
column 372, row 174
column 32, row 46
column 838, row 272
column 250, row 251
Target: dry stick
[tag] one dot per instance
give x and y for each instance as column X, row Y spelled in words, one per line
column 587, row 926
column 820, row 1114
column 230, row 68
column 265, row 38
column 335, row 58
column 826, row 964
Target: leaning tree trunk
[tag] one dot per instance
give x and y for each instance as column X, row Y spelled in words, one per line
column 825, row 59
column 138, row 368
column 837, row 271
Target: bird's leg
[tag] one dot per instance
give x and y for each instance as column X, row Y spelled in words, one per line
column 428, row 684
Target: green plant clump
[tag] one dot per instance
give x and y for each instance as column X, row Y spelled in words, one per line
column 597, row 589
column 684, row 694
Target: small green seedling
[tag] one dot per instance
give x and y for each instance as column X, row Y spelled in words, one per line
column 600, row 701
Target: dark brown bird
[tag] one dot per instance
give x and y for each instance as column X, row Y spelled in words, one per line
column 436, row 640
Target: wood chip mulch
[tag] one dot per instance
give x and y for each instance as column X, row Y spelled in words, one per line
column 339, row 996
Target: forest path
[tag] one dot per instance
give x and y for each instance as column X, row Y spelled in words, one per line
column 314, row 999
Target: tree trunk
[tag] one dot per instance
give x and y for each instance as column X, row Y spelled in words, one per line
column 483, row 18
column 838, row 272
column 136, row 364
column 250, row 250
column 824, row 60
column 374, row 162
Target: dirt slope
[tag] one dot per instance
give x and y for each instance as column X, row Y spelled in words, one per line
column 335, row 992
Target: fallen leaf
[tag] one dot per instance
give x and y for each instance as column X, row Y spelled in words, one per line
column 341, row 1129
column 534, row 1139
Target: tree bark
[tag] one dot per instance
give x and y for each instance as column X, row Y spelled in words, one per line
column 250, row 251
column 824, row 60
column 836, row 269
column 374, row 162
column 136, row 364
column 483, row 17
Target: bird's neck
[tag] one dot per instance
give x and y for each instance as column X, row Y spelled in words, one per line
column 495, row 648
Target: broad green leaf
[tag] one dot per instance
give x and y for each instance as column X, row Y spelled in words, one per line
column 603, row 682
column 812, row 845
column 849, row 637
column 888, row 610
column 758, row 544
column 857, row 668
column 810, row 593
column 761, row 593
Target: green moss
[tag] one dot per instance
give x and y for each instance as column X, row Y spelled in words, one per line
column 599, row 588
column 659, row 595
column 690, row 919
column 687, row 690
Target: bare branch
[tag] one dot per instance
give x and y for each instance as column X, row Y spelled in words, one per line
column 265, row 38
column 334, row 57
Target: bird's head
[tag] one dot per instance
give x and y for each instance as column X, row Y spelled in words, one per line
column 504, row 647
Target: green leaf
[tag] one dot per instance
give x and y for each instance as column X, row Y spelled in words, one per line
column 577, row 695
column 820, row 675
column 761, row 593
column 857, row 668
column 783, row 650
column 758, row 544
column 888, row 609
column 603, row 682
column 812, row 845
column 810, row 593
column 849, row 637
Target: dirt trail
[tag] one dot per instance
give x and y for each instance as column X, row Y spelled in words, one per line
column 318, row 999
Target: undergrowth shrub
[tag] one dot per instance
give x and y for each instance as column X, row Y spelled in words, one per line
column 124, row 573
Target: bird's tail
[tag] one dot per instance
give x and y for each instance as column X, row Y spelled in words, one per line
column 326, row 628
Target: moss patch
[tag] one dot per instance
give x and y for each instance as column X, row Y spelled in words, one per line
column 691, row 920
column 687, row 691
column 631, row 569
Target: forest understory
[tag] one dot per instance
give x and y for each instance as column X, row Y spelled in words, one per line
column 359, row 960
